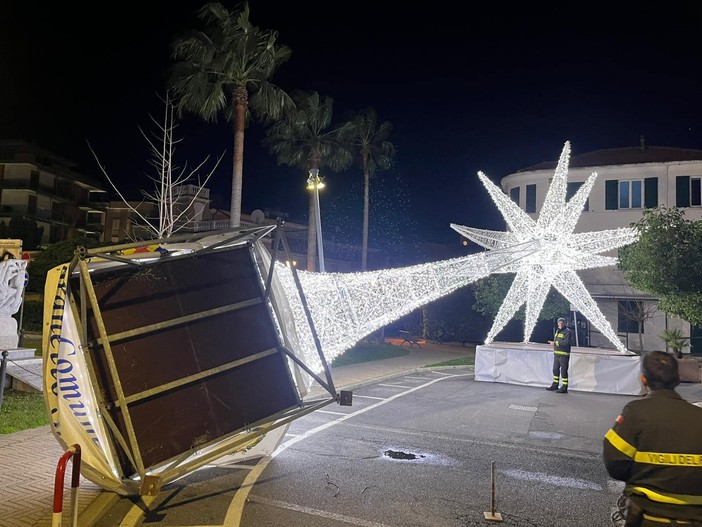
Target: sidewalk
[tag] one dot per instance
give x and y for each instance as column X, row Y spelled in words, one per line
column 355, row 375
column 28, row 459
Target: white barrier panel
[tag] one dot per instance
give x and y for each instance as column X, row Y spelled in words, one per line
column 530, row 364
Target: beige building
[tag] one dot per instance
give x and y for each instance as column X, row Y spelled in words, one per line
column 41, row 186
column 629, row 180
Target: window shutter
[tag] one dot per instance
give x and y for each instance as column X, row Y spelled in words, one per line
column 682, row 191
column 530, row 198
column 514, row 194
column 651, row 192
column 611, row 194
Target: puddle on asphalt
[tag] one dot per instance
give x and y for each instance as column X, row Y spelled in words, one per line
column 395, row 454
column 404, row 456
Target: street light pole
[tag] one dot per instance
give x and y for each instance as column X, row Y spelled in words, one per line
column 314, row 183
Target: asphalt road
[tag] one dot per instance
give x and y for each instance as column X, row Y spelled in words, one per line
column 417, row 450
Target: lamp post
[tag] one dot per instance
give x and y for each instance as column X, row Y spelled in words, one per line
column 314, row 183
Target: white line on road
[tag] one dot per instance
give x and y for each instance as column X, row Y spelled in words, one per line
column 368, row 397
column 447, row 374
column 395, row 386
column 416, row 378
column 236, row 507
column 316, row 512
column 552, row 480
column 237, row 466
column 329, row 412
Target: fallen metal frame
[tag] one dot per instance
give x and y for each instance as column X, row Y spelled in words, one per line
column 153, row 477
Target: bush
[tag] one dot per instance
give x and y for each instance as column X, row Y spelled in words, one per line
column 32, row 316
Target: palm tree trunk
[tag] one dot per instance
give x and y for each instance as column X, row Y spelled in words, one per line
column 311, row 235
column 240, row 104
column 366, row 202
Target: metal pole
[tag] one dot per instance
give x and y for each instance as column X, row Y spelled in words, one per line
column 3, row 367
column 492, row 480
column 575, row 321
column 320, row 247
column 20, row 330
column 492, row 515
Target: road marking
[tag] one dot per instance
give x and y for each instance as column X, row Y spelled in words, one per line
column 395, row 386
column 552, row 480
column 236, row 507
column 368, row 397
column 328, row 412
column 316, row 512
column 416, row 378
column 237, row 466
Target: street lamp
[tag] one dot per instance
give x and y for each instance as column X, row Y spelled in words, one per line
column 314, row 182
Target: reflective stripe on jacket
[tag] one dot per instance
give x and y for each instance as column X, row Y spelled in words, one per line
column 562, row 341
column 655, row 446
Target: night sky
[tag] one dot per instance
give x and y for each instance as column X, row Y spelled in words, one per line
column 468, row 87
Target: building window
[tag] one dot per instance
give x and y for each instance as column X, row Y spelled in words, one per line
column 114, row 235
column 514, row 194
column 572, row 189
column 630, row 315
column 530, row 205
column 695, row 189
column 631, row 193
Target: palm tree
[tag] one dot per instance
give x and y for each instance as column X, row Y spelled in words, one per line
column 674, row 339
column 305, row 139
column 375, row 152
column 226, row 68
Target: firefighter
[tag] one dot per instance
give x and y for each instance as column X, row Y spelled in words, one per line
column 562, row 341
column 655, row 447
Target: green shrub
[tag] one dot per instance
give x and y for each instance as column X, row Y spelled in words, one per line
column 32, row 316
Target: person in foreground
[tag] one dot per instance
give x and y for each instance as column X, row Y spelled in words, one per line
column 562, row 341
column 655, row 447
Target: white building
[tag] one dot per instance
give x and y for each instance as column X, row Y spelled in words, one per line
column 629, row 180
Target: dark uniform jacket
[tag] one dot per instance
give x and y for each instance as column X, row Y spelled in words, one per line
column 655, row 446
column 562, row 341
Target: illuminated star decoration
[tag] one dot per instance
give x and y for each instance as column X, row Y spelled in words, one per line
column 553, row 252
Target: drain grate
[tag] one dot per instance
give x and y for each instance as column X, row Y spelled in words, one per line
column 523, row 408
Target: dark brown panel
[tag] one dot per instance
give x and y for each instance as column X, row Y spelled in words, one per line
column 175, row 421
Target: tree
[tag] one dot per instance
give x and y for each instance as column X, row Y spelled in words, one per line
column 375, row 152
column 227, row 68
column 451, row 319
column 55, row 254
column 490, row 292
column 25, row 229
column 637, row 312
column 674, row 339
column 666, row 261
column 305, row 138
column 174, row 209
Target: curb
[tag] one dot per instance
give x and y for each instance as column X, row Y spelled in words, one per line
column 97, row 508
